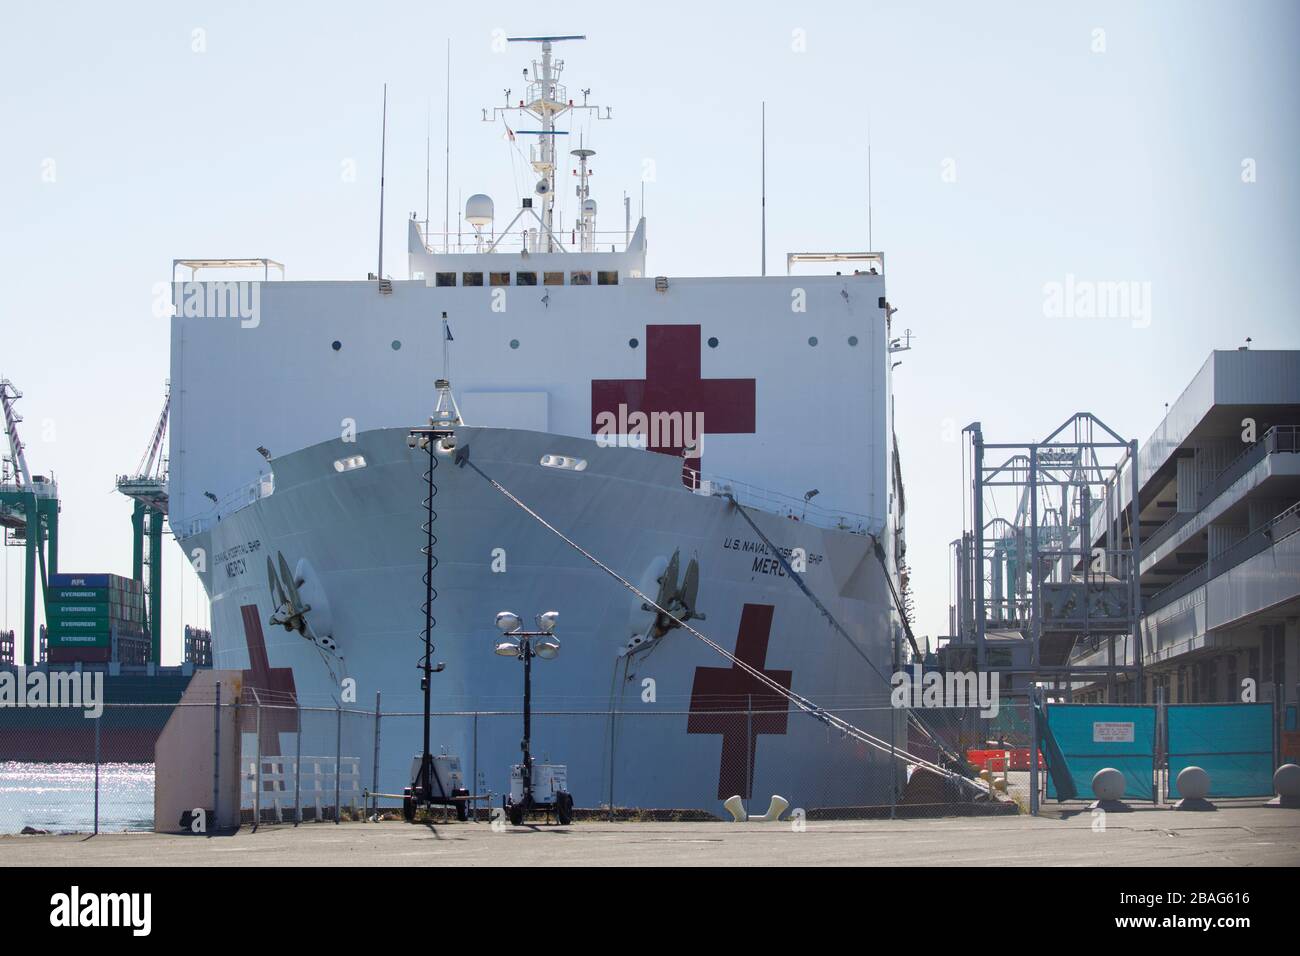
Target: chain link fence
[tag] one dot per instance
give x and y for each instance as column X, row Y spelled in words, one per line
column 61, row 771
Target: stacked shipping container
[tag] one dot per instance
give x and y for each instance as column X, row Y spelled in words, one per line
column 96, row 618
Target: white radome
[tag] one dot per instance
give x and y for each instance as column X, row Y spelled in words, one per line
column 479, row 210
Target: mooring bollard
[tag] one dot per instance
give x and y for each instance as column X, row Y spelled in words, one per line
column 736, row 807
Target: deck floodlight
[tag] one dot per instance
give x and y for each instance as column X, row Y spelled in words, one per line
column 508, row 621
column 548, row 620
column 507, row 649
column 548, row 648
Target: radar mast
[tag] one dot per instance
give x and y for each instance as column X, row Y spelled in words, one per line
column 545, row 99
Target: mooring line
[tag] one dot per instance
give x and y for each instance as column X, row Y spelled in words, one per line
column 912, row 719
column 801, row 702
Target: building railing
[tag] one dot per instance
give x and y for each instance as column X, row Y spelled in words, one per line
column 1258, row 541
column 1166, row 531
column 1279, row 438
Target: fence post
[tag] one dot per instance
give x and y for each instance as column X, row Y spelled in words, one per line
column 893, row 765
column 297, row 767
column 1161, row 757
column 257, row 773
column 216, row 760
column 1033, row 750
column 374, row 777
column 613, row 737
column 338, row 760
column 1279, row 719
column 475, row 784
column 749, row 735
column 97, row 751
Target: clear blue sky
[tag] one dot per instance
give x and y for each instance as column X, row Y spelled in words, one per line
column 1110, row 166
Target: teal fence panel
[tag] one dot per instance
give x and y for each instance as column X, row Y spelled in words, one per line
column 1093, row 736
column 1233, row 743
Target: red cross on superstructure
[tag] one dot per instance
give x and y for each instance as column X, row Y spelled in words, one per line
column 673, row 384
column 753, row 707
column 273, row 685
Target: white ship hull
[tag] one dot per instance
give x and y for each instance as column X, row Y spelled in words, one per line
column 356, row 536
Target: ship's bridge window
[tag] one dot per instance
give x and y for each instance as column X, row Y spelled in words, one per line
column 471, row 278
column 553, row 278
column 579, row 278
column 500, row 278
column 444, row 279
column 607, row 278
column 526, row 278
column 351, row 463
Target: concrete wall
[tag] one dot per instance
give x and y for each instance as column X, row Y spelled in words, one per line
column 184, row 757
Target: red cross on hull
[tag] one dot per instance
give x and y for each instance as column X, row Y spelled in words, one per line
column 751, row 708
column 673, row 385
column 273, row 685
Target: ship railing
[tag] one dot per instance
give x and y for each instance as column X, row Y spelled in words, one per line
column 242, row 497
column 462, row 241
column 774, row 502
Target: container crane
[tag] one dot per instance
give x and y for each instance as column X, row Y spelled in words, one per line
column 29, row 515
column 147, row 487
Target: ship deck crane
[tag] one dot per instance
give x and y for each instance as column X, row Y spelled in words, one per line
column 29, row 516
column 147, row 487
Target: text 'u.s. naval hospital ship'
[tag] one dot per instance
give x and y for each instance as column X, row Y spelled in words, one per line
column 608, row 402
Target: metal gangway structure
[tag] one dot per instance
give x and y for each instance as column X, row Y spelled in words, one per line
column 1029, row 585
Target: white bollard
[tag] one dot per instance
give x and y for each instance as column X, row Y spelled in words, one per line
column 1193, row 786
column 736, row 807
column 1286, row 783
column 1108, row 786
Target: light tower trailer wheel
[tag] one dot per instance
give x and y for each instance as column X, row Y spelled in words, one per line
column 514, row 811
column 411, row 804
column 561, row 806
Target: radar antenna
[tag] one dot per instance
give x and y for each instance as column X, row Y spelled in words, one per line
column 545, row 99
